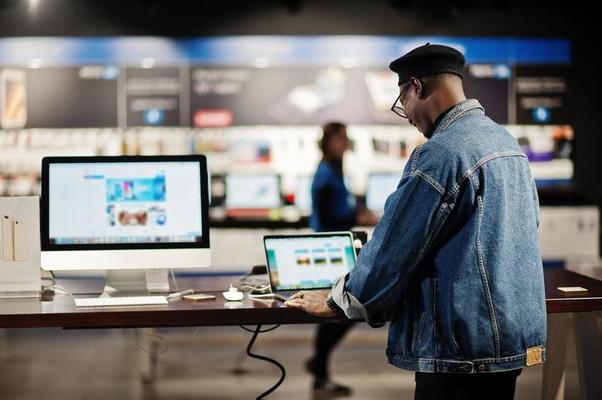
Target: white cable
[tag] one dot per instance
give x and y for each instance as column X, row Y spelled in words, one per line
column 266, row 297
column 58, row 289
column 256, row 287
column 173, row 277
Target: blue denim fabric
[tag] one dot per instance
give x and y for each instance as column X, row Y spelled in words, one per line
column 456, row 254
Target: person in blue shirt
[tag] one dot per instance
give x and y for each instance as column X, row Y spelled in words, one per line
column 456, row 253
column 333, row 209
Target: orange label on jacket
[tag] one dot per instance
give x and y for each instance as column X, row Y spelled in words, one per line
column 534, row 355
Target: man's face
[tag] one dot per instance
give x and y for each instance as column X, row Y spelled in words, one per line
column 411, row 102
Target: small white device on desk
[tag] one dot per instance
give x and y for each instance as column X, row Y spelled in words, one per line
column 20, row 247
column 233, row 294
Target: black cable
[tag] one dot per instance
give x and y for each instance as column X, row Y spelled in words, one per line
column 264, row 331
column 267, row 359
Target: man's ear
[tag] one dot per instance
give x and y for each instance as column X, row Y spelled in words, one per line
column 418, row 87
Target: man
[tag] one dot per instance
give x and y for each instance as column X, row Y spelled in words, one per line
column 455, row 255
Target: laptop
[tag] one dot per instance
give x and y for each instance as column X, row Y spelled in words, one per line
column 307, row 261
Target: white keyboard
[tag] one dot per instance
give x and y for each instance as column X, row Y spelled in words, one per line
column 121, row 301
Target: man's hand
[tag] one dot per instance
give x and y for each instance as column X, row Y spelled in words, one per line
column 312, row 302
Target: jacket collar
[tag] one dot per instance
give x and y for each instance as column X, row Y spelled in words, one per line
column 458, row 111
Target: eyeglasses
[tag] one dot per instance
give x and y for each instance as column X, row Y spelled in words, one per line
column 399, row 109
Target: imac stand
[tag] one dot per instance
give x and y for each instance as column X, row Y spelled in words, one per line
column 135, row 282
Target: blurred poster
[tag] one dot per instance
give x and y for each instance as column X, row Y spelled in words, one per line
column 541, row 95
column 13, row 99
column 153, row 96
column 382, row 89
column 490, row 84
column 72, row 97
column 296, row 95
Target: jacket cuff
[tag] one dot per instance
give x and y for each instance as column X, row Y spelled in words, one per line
column 351, row 306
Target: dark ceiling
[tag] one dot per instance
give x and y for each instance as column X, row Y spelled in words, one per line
column 229, row 17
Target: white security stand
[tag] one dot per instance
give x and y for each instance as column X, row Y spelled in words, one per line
column 20, row 274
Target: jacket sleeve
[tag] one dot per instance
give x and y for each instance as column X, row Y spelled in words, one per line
column 400, row 240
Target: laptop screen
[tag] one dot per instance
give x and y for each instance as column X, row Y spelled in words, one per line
column 312, row 261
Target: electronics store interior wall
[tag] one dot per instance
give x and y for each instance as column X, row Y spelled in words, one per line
column 162, row 96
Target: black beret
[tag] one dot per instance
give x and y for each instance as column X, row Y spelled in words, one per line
column 430, row 59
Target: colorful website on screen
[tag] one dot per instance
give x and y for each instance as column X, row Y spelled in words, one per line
column 136, row 202
column 308, row 262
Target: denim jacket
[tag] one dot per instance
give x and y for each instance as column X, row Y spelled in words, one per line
column 455, row 258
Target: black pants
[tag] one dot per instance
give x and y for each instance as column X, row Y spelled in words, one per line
column 490, row 386
column 327, row 337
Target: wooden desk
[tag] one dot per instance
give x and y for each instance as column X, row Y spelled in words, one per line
column 556, row 302
column 62, row 313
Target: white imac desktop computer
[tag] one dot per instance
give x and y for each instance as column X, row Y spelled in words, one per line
column 124, row 214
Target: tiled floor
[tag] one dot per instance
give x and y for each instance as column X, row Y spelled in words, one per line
column 100, row 365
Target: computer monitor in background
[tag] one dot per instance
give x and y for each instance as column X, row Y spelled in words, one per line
column 379, row 187
column 248, row 191
column 125, row 215
column 303, row 193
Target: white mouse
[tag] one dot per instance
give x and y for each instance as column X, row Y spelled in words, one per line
column 233, row 294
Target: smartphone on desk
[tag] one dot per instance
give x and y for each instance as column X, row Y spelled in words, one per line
column 198, row 297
